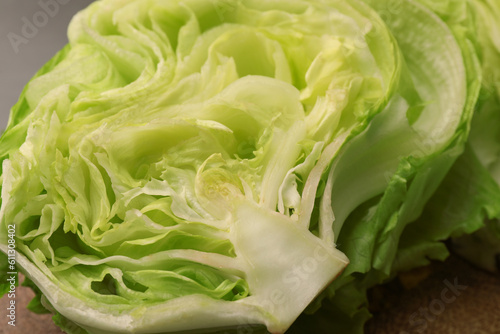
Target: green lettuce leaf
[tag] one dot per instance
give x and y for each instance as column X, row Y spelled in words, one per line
column 162, row 171
column 192, row 164
column 473, row 186
column 441, row 78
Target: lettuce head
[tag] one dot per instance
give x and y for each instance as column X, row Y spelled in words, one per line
column 195, row 164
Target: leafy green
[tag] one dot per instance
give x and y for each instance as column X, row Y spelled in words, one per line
column 36, row 304
column 373, row 235
column 470, row 195
column 193, row 164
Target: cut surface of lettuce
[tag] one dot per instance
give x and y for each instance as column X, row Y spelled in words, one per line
column 191, row 164
column 164, row 170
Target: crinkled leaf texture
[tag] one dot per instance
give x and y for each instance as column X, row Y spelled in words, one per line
column 192, row 164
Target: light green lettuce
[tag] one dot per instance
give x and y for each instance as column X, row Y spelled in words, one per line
column 162, row 170
column 470, row 196
column 194, row 164
column 381, row 237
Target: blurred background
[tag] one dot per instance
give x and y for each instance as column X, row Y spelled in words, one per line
column 31, row 32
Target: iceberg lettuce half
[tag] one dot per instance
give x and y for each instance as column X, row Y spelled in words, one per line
column 193, row 164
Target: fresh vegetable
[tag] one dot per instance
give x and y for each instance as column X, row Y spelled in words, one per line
column 470, row 195
column 194, row 164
